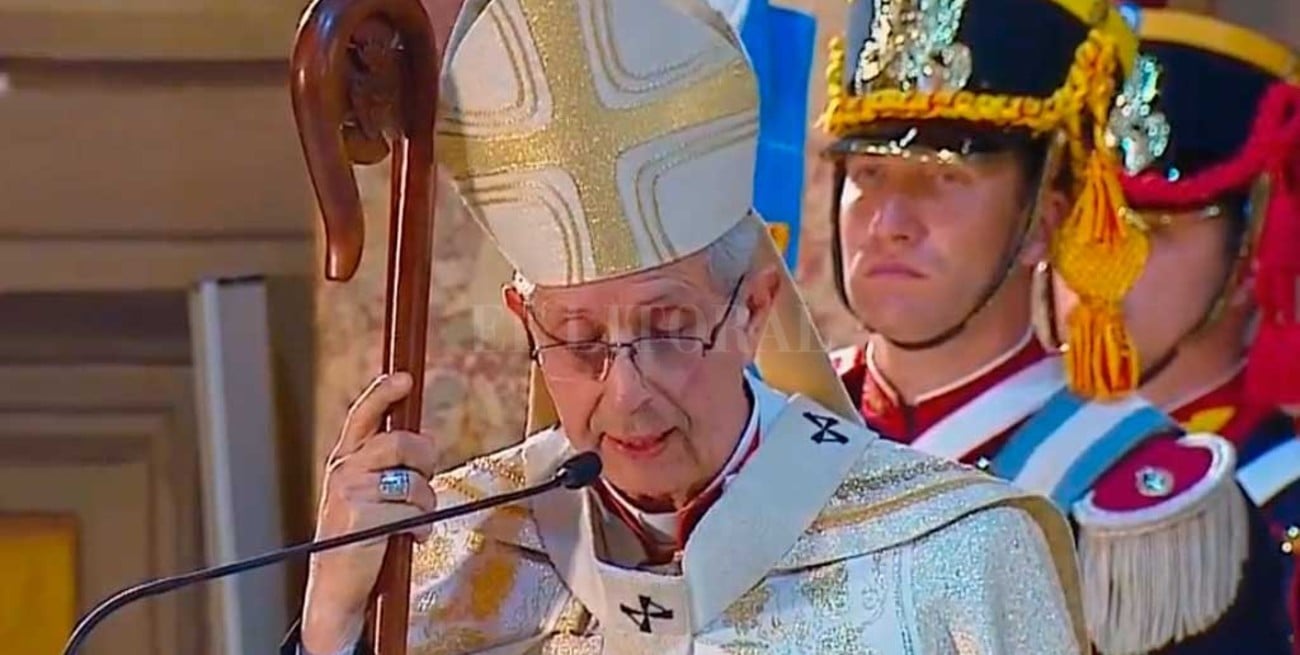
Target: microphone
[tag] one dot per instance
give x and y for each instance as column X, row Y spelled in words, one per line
column 575, row 473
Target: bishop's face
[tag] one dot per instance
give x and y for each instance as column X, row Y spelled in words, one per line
column 921, row 242
column 666, row 411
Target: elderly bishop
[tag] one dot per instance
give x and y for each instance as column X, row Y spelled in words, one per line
column 608, row 147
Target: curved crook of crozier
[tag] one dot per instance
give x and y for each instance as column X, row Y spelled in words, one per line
column 364, row 84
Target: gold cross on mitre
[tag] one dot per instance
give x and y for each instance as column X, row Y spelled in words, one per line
column 593, row 138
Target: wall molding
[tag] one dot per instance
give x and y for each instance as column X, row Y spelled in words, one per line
column 81, row 452
column 118, row 420
column 200, row 33
column 142, row 264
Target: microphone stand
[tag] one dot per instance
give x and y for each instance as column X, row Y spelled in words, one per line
column 577, row 472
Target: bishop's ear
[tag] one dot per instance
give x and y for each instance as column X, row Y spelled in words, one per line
column 514, row 301
column 757, row 302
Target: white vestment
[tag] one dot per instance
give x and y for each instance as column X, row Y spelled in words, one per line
column 828, row 540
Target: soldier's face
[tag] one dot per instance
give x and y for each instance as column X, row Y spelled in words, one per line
column 1184, row 272
column 664, row 423
column 922, row 241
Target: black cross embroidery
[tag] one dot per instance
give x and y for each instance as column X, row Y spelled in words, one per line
column 825, row 431
column 648, row 610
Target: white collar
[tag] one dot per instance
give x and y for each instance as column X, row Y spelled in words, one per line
column 664, row 525
column 960, row 382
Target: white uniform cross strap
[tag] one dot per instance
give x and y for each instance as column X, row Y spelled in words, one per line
column 1271, row 472
column 1065, row 447
column 993, row 412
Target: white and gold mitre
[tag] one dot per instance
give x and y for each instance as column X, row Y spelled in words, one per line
column 594, row 138
column 597, row 138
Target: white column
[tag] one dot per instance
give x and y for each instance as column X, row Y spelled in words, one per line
column 240, row 468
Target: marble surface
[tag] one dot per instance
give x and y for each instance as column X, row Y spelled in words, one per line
column 475, row 370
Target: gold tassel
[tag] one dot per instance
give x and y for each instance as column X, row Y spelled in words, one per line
column 1096, row 251
column 1101, row 361
column 1098, row 254
column 1101, row 257
column 1165, row 580
column 1099, row 209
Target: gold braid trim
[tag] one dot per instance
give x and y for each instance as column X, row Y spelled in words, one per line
column 1097, row 251
column 846, row 114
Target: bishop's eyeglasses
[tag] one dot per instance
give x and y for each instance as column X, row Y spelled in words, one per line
column 657, row 356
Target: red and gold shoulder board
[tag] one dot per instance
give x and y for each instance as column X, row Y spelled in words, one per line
column 1169, row 502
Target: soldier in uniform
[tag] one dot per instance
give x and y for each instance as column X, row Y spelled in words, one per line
column 1209, row 126
column 937, row 117
column 608, row 146
column 971, row 143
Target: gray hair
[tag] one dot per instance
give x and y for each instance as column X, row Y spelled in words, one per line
column 728, row 258
column 732, row 255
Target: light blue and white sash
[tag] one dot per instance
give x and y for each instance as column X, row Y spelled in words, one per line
column 993, row 412
column 1063, row 449
column 1268, row 474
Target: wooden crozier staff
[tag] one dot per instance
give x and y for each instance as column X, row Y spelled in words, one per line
column 365, row 84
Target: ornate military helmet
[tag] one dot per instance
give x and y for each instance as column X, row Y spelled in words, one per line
column 953, row 78
column 1211, row 122
column 594, row 139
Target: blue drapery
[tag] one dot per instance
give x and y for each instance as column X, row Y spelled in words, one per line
column 780, row 44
